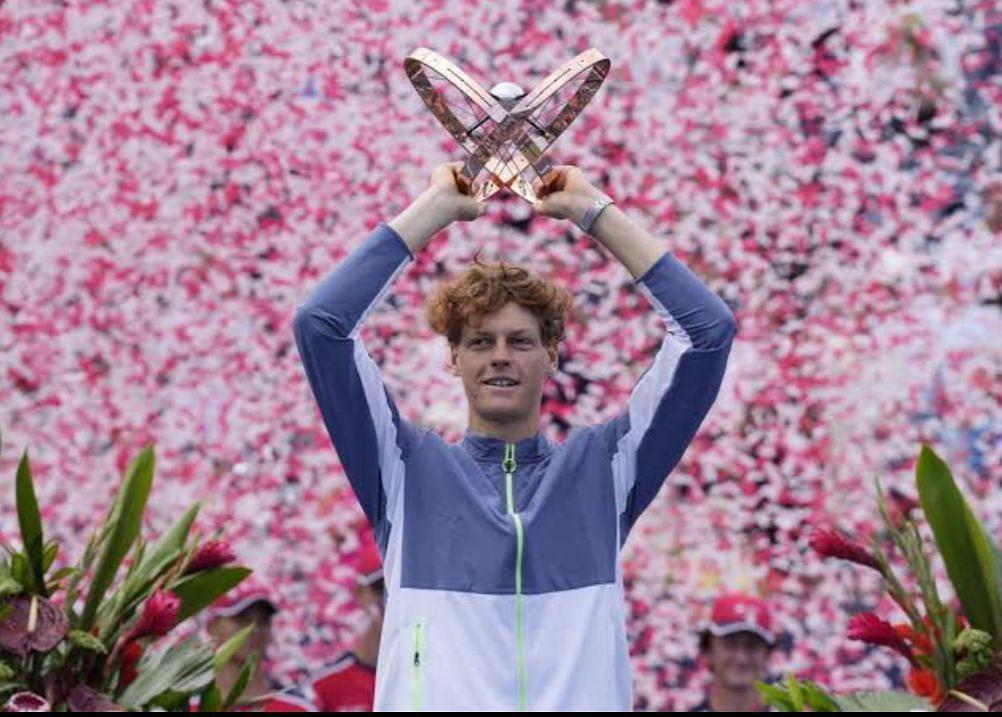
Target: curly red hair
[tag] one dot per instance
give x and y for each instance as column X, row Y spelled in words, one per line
column 485, row 288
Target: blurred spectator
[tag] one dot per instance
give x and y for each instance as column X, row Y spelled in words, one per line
column 736, row 645
column 250, row 604
column 349, row 685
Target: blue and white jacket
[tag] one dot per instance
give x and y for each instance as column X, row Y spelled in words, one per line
column 504, row 589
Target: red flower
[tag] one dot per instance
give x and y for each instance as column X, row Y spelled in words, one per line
column 27, row 702
column 919, row 641
column 212, row 554
column 130, row 658
column 901, row 506
column 833, row 544
column 924, row 683
column 867, row 627
column 159, row 616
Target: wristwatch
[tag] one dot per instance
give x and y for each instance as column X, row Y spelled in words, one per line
column 591, row 215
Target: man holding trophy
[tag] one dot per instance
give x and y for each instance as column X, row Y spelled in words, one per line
column 503, row 584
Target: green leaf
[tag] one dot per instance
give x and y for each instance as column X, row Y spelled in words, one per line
column 818, row 699
column 200, row 590
column 49, row 555
column 997, row 555
column 6, row 687
column 963, row 543
column 117, row 608
column 138, row 551
column 211, row 699
column 796, row 694
column 19, row 569
column 887, row 701
column 169, row 547
column 186, row 668
column 31, row 525
column 9, row 587
column 150, row 566
column 86, row 641
column 243, row 679
column 229, row 648
column 127, row 517
column 775, row 697
column 172, row 701
column 63, row 572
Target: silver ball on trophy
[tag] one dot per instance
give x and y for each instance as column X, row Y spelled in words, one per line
column 507, row 93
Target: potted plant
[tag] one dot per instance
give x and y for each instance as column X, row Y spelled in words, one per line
column 95, row 636
column 954, row 651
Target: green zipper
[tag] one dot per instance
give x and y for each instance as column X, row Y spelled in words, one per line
column 417, row 684
column 508, row 465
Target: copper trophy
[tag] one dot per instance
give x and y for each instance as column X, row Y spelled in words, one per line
column 506, row 131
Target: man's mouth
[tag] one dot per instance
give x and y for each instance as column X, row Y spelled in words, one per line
column 501, row 382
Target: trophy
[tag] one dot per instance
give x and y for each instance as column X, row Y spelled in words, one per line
column 506, row 131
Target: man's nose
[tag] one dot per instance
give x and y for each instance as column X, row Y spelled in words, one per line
column 501, row 352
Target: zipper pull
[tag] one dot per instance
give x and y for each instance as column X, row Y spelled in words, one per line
column 508, row 465
column 418, row 642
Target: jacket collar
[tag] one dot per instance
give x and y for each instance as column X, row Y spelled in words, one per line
column 486, row 448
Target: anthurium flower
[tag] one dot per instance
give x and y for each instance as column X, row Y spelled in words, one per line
column 32, row 624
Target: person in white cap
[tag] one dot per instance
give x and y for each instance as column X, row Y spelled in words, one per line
column 250, row 603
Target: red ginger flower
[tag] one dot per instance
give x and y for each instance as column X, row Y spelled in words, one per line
column 873, row 630
column 159, row 616
column 919, row 641
column 833, row 544
column 213, row 554
column 924, row 683
column 130, row 659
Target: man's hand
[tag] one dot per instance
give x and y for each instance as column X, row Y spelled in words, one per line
column 565, row 194
column 453, row 193
column 448, row 199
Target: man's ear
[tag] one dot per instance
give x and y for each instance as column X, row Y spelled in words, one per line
column 363, row 595
column 214, row 627
column 453, row 365
column 552, row 359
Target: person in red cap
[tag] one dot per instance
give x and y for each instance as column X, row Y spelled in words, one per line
column 349, row 685
column 250, row 603
column 736, row 645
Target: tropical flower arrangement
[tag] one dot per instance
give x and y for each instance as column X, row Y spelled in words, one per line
column 954, row 651
column 94, row 636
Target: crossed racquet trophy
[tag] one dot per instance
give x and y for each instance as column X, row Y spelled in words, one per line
column 506, row 130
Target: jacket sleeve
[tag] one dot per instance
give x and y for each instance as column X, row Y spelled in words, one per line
column 368, row 433
column 673, row 396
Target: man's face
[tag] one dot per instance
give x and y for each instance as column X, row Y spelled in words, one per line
column 372, row 598
column 738, row 661
column 503, row 364
column 259, row 615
